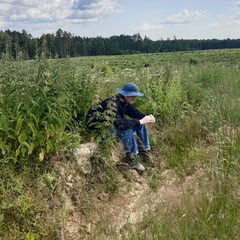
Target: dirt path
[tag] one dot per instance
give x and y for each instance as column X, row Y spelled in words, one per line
column 134, row 200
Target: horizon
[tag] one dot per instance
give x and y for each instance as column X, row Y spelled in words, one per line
column 174, row 37
column 156, row 19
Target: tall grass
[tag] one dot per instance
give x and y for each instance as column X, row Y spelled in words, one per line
column 195, row 100
column 39, row 102
column 205, row 134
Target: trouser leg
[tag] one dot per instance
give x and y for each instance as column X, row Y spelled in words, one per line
column 128, row 140
column 142, row 138
column 135, row 139
column 131, row 148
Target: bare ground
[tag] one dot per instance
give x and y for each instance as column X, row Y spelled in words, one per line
column 109, row 215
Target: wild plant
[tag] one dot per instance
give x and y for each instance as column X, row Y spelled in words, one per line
column 164, row 93
column 24, row 210
column 101, row 161
column 34, row 108
column 196, row 108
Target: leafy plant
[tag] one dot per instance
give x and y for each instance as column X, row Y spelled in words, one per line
column 34, row 109
column 196, row 137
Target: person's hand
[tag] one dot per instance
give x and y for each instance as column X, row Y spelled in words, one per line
column 147, row 119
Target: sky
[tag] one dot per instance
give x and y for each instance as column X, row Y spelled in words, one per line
column 155, row 19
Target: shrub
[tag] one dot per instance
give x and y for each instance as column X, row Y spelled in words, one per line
column 34, row 108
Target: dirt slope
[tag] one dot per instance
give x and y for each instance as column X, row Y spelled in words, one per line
column 135, row 199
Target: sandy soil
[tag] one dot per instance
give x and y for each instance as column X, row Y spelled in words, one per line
column 135, row 199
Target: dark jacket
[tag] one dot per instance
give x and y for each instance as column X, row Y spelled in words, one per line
column 119, row 109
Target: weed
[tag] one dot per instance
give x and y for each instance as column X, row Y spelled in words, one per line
column 195, row 99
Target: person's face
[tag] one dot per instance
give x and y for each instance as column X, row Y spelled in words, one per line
column 130, row 99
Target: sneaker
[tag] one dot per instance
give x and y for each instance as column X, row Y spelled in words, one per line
column 147, row 158
column 133, row 163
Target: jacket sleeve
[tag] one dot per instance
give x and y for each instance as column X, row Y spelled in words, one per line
column 135, row 115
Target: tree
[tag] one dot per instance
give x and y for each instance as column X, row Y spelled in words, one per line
column 63, row 44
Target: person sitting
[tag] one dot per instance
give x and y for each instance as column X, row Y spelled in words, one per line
column 131, row 131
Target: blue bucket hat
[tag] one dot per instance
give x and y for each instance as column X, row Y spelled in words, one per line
column 129, row 90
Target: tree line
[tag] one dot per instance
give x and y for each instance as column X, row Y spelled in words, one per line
column 64, row 44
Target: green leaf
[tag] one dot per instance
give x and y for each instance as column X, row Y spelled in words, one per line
column 19, row 125
column 35, row 118
column 33, row 129
column 41, row 155
column 19, row 105
column 31, row 148
column 6, row 205
column 24, row 148
column 3, row 147
column 3, row 129
column 22, row 137
column 17, row 153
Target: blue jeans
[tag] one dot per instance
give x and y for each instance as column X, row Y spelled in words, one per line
column 134, row 139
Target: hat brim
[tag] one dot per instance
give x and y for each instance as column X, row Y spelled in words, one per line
column 129, row 93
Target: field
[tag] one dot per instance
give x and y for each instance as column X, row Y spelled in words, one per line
column 192, row 193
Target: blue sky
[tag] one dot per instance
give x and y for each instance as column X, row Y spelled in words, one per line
column 156, row 19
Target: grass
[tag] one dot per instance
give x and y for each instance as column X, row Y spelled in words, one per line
column 210, row 214
column 228, row 57
column 195, row 141
column 24, row 208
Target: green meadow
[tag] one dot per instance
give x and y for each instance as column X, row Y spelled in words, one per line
column 195, row 98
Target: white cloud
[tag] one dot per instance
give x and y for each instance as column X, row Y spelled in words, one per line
column 235, row 22
column 147, row 27
column 214, row 25
column 91, row 10
column 36, row 11
column 184, row 17
column 180, row 18
column 4, row 7
column 235, row 19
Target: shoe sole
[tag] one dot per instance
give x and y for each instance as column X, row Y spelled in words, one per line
column 127, row 166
